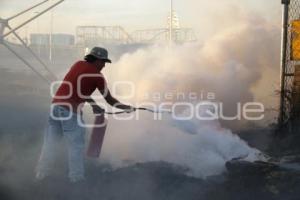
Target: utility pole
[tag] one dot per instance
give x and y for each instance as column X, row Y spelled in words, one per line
column 3, row 24
column 50, row 36
column 285, row 19
column 39, row 35
column 171, row 23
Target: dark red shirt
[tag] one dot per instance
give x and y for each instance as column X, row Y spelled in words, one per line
column 79, row 83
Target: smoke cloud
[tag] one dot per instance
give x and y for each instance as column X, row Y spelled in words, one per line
column 230, row 64
column 233, row 64
column 202, row 147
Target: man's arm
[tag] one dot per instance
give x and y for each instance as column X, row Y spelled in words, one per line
column 111, row 101
column 114, row 102
column 96, row 109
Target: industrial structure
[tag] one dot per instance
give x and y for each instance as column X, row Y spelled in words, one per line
column 289, row 114
column 116, row 38
column 53, row 48
column 180, row 35
column 91, row 35
column 4, row 24
column 172, row 33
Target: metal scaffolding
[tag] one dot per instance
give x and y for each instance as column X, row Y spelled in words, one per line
column 173, row 33
column 92, row 35
column 4, row 24
column 180, row 35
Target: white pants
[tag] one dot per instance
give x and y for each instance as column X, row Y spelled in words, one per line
column 64, row 124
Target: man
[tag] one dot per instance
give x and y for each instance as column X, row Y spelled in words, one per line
column 80, row 82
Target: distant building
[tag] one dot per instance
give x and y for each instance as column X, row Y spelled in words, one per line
column 57, row 39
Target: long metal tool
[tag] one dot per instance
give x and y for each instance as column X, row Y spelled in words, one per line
column 146, row 109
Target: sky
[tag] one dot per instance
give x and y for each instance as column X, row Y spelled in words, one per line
column 205, row 17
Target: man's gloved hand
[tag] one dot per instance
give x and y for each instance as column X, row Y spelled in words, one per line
column 97, row 109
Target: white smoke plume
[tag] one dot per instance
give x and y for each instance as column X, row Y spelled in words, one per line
column 230, row 64
column 202, row 147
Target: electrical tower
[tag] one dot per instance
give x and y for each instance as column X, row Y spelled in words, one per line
column 4, row 24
